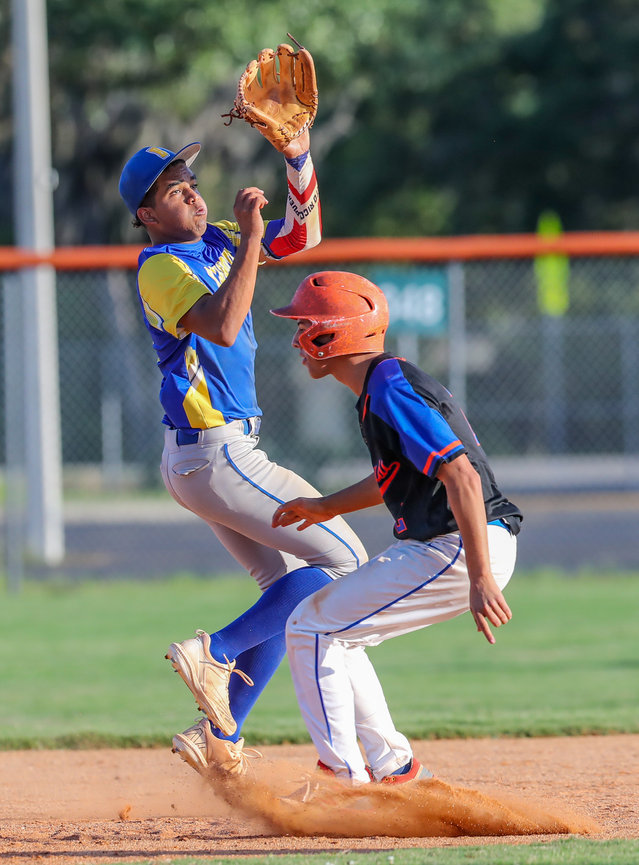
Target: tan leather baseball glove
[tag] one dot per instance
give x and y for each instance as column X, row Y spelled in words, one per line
column 277, row 93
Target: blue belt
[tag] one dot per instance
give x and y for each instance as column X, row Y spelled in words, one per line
column 193, row 436
column 186, row 437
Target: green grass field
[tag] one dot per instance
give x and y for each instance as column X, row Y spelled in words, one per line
column 84, row 664
column 571, row 851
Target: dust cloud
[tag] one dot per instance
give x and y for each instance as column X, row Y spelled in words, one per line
column 429, row 808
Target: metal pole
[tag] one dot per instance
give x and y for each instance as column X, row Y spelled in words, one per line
column 34, row 230
column 554, row 369
column 457, row 340
column 14, row 500
column 629, row 396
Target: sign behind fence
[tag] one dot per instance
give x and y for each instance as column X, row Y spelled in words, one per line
column 417, row 298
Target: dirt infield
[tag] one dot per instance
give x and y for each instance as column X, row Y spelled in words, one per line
column 87, row 806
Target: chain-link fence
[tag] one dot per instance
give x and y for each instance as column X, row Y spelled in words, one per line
column 537, row 387
column 533, row 384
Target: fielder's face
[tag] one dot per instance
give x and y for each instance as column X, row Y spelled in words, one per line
column 316, row 368
column 178, row 213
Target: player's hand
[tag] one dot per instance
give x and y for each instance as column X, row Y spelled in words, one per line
column 247, row 209
column 488, row 606
column 308, row 512
column 298, row 145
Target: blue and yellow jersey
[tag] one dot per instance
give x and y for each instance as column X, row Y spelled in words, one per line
column 203, row 384
column 207, row 385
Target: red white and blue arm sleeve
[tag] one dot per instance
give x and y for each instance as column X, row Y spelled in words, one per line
column 301, row 228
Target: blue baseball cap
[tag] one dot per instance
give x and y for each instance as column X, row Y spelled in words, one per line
column 143, row 169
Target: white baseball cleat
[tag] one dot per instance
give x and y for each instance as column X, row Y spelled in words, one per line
column 412, row 771
column 198, row 747
column 206, row 678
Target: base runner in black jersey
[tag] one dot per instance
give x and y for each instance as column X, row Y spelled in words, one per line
column 456, row 532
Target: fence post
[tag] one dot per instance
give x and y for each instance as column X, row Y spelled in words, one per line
column 14, row 500
column 630, row 397
column 457, row 340
column 554, row 383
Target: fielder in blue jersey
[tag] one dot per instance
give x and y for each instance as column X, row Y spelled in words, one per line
column 456, row 532
column 195, row 282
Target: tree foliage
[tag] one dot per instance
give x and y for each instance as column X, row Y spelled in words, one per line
column 466, row 117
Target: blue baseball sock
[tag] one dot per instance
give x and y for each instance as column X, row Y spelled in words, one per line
column 256, row 640
column 259, row 662
column 268, row 615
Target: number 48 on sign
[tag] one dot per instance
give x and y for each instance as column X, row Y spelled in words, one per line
column 417, row 298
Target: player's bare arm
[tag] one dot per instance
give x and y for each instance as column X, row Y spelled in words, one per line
column 298, row 145
column 309, row 511
column 218, row 317
column 463, row 489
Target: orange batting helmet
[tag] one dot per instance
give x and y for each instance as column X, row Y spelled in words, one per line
column 349, row 308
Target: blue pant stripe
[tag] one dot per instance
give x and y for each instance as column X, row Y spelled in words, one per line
column 321, row 699
column 281, row 502
column 319, row 690
column 401, row 598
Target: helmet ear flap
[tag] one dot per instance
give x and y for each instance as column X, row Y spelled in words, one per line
column 311, row 342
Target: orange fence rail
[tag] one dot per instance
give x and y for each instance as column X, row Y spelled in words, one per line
column 414, row 249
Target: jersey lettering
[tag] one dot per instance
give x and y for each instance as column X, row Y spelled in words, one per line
column 384, row 475
column 220, row 270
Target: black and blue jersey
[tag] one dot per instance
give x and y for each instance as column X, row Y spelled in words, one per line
column 411, row 425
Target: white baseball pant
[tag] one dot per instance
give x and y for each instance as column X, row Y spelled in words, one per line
column 234, row 487
column 411, row 585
